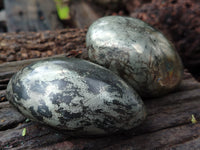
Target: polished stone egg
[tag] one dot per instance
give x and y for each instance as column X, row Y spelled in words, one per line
column 137, row 52
column 76, row 96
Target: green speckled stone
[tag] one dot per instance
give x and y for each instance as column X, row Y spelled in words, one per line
column 77, row 96
column 137, row 52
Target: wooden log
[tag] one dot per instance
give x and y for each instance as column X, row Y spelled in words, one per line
column 26, row 45
column 31, row 15
column 9, row 116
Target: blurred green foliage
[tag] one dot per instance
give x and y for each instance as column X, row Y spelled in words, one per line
column 24, row 132
column 62, row 10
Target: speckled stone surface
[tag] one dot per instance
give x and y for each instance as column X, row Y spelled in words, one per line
column 75, row 95
column 137, row 52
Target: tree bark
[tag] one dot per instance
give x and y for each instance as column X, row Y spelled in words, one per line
column 26, row 45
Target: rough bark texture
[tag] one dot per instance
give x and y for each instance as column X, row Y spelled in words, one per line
column 26, row 45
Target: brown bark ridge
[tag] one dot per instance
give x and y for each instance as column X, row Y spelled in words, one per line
column 167, row 126
column 26, row 45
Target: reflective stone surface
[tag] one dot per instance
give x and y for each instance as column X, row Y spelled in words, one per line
column 137, row 52
column 76, row 96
